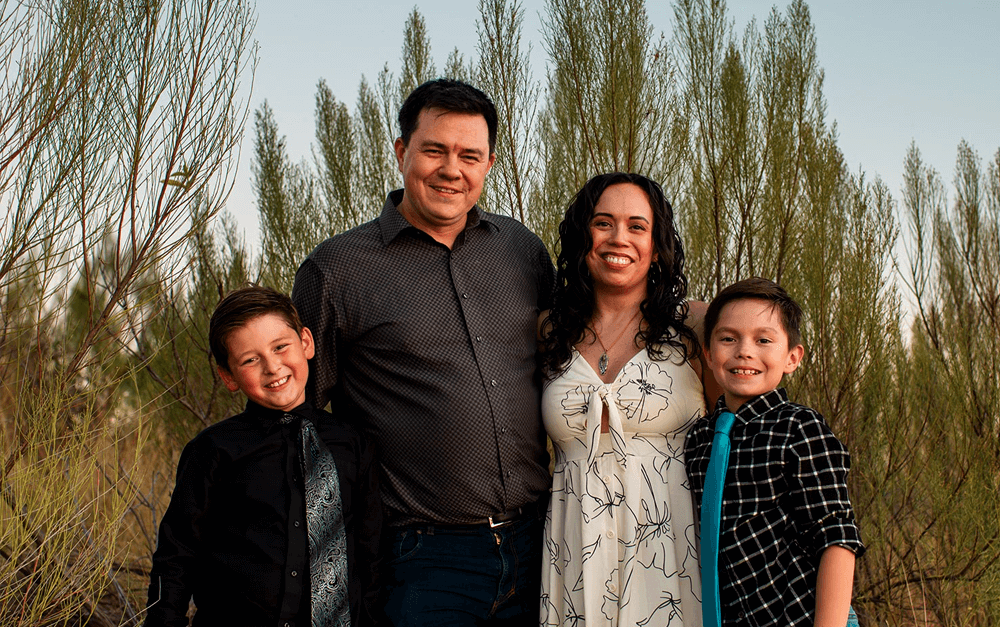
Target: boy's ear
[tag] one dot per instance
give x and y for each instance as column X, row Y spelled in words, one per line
column 794, row 358
column 308, row 346
column 227, row 378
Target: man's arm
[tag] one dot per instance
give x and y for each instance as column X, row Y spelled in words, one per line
column 309, row 294
column 711, row 387
column 834, row 583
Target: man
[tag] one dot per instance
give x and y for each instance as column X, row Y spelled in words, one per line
column 425, row 321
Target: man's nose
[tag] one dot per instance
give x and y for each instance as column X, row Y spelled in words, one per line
column 450, row 167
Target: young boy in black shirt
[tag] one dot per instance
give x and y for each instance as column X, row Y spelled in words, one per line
column 275, row 517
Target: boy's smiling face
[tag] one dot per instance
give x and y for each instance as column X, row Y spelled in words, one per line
column 748, row 350
column 269, row 362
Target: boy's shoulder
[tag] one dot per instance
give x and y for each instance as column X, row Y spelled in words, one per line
column 233, row 431
column 785, row 411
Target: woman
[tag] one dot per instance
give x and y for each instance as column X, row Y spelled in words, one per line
column 622, row 389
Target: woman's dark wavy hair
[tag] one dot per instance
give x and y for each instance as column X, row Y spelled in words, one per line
column 664, row 308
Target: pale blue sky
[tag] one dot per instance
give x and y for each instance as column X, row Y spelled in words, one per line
column 897, row 71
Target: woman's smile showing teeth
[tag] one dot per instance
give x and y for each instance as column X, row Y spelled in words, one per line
column 616, row 260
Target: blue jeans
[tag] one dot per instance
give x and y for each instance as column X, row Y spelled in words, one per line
column 458, row 576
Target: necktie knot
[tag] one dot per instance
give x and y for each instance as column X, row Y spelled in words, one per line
column 724, row 422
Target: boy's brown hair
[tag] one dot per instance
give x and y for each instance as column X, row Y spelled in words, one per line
column 240, row 307
column 756, row 288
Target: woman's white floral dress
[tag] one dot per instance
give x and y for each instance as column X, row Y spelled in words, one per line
column 620, row 534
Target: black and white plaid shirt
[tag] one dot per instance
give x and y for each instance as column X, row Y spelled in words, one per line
column 784, row 502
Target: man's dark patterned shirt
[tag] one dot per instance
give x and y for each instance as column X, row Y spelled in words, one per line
column 784, row 501
column 436, row 347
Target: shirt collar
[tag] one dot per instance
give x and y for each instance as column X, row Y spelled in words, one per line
column 755, row 406
column 392, row 223
column 270, row 418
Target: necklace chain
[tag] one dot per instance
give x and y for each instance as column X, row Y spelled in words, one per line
column 602, row 363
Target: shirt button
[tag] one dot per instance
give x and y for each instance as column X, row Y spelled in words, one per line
column 465, row 294
column 295, row 573
column 479, row 338
column 296, row 523
column 509, row 473
column 493, row 382
column 610, row 534
column 503, row 430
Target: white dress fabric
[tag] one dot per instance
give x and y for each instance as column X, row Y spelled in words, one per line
column 620, row 540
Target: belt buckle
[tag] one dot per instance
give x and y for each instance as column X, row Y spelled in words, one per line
column 500, row 523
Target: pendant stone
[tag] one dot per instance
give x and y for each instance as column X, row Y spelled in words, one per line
column 602, row 363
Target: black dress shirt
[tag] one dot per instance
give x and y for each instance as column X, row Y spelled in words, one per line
column 234, row 534
column 436, row 346
column 784, row 501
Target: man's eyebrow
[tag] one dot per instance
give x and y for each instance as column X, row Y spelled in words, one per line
column 430, row 143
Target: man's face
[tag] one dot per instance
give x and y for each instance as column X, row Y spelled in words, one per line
column 444, row 166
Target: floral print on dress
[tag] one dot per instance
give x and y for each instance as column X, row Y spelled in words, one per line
column 619, row 535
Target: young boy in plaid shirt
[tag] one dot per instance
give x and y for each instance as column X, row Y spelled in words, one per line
column 788, row 539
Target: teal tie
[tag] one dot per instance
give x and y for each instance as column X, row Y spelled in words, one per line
column 711, row 513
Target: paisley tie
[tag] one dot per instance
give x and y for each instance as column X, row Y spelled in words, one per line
column 327, row 536
column 711, row 513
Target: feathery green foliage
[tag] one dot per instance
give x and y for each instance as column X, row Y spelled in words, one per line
column 119, row 120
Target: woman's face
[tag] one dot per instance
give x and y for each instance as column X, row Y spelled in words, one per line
column 621, row 229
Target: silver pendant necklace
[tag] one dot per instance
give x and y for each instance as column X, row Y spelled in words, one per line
column 602, row 363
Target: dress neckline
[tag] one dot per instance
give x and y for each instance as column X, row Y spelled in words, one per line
column 617, row 375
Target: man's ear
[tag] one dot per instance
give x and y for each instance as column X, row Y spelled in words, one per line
column 400, row 147
column 227, row 378
column 794, row 358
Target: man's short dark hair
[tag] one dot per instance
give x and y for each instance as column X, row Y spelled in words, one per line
column 449, row 95
column 756, row 288
column 240, row 307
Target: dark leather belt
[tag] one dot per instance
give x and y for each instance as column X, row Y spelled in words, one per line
column 532, row 510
